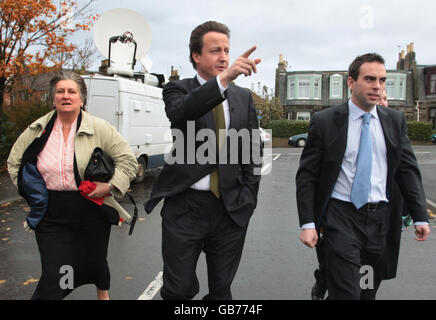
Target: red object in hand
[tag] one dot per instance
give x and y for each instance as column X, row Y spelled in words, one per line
column 87, row 187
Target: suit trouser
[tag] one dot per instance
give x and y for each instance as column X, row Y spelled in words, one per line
column 192, row 222
column 353, row 239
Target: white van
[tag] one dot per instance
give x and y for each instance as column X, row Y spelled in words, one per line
column 137, row 111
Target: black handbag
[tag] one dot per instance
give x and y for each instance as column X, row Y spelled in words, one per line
column 101, row 168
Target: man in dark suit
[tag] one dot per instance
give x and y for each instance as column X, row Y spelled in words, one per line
column 207, row 205
column 354, row 156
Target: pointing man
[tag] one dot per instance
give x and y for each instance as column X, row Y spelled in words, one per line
column 207, row 206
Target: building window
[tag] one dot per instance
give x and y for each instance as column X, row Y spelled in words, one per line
column 316, row 91
column 402, row 93
column 336, row 81
column 396, row 84
column 390, row 88
column 303, row 89
column 432, row 84
column 303, row 116
column 291, row 91
column 304, row 86
column 335, row 88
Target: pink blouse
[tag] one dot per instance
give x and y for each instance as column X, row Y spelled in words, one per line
column 56, row 161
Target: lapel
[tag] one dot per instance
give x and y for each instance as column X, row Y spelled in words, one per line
column 208, row 117
column 234, row 106
column 387, row 126
column 338, row 142
column 392, row 155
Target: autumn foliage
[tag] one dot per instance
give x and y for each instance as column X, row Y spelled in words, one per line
column 32, row 32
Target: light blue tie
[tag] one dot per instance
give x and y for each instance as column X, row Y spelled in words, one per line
column 362, row 179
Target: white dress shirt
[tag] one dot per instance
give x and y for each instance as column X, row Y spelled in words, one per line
column 204, row 183
column 379, row 171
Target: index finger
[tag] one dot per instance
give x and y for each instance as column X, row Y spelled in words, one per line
column 247, row 53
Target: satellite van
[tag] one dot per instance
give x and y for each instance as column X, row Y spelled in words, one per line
column 130, row 101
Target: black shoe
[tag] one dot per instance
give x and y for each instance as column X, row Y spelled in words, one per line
column 318, row 290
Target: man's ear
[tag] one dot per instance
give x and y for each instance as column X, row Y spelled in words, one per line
column 196, row 57
column 350, row 83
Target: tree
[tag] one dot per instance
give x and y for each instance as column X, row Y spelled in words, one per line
column 269, row 108
column 79, row 60
column 32, row 32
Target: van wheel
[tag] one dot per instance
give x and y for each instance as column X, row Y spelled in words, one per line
column 142, row 166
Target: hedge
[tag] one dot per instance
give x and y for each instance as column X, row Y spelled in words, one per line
column 287, row 128
column 418, row 131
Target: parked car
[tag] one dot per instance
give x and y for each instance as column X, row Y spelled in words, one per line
column 299, row 140
column 433, row 138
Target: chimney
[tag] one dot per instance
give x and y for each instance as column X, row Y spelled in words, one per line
column 283, row 64
column 412, row 47
column 410, row 61
column 174, row 74
column 401, row 60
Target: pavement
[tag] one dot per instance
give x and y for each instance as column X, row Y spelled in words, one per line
column 275, row 264
column 8, row 192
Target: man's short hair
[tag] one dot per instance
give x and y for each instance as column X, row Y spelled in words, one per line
column 196, row 40
column 353, row 70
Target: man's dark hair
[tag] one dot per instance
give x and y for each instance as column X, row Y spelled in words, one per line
column 196, row 40
column 353, row 70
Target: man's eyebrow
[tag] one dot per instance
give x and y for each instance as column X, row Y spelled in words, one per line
column 370, row 77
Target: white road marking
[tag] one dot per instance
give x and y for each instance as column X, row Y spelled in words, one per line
column 265, row 168
column 276, row 156
column 152, row 288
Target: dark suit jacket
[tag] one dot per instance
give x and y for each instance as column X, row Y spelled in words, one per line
column 185, row 100
column 321, row 162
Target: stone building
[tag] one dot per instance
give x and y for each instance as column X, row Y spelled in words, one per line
column 303, row 93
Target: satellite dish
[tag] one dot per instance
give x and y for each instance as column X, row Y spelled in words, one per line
column 116, row 23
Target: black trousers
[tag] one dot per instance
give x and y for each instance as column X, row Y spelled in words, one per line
column 353, row 239
column 192, row 222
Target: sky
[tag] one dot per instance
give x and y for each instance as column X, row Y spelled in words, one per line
column 311, row 34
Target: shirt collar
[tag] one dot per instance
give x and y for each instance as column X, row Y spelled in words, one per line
column 356, row 112
column 201, row 80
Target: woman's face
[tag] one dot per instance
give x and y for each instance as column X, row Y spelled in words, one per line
column 67, row 97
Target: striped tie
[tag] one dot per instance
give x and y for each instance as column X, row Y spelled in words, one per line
column 220, row 123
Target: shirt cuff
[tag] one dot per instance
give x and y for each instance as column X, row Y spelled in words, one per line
column 222, row 89
column 310, row 225
column 421, row 223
